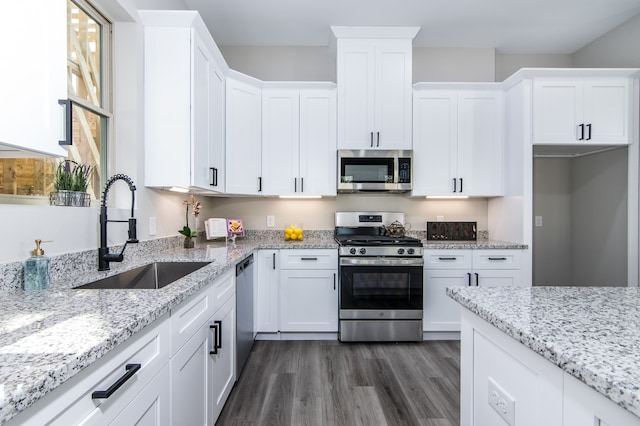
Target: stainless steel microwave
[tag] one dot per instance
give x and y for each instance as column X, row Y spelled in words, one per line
column 374, row 170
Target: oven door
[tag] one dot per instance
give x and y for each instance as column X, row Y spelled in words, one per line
column 381, row 288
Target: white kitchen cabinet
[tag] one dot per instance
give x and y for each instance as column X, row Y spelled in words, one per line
column 73, row 403
column 457, row 141
column 374, row 75
column 202, row 368
column 308, row 291
column 585, row 111
column 267, row 291
column 34, row 78
column 184, row 103
column 299, row 139
column 244, row 135
column 449, row 268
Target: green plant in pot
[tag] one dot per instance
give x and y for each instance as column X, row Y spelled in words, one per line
column 71, row 180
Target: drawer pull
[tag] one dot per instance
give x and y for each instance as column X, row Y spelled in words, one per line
column 308, row 258
column 131, row 370
column 446, row 258
column 497, row 258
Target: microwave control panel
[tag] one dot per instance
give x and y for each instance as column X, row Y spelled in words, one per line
column 404, row 170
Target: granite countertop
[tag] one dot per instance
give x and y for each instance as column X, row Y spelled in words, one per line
column 592, row 333
column 48, row 336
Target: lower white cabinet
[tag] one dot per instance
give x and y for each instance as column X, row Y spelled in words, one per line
column 309, row 291
column 74, row 403
column 449, row 268
column 266, row 310
column 202, row 369
column 503, row 382
column 151, row 406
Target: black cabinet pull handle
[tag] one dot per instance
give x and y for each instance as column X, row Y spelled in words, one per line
column 131, row 370
column 477, row 279
column 455, row 185
column 469, row 279
column 214, row 176
column 301, row 184
column 274, row 261
column 308, row 258
column 219, row 339
column 460, row 185
column 334, row 281
column 378, row 143
column 371, row 139
column 581, row 126
column 497, row 258
column 259, row 183
column 446, row 258
column 214, row 347
column 295, row 184
column 589, row 131
column 68, row 131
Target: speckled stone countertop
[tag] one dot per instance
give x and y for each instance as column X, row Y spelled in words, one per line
column 48, row 336
column 592, row 333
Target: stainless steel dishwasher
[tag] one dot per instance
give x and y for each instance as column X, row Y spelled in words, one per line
column 244, row 312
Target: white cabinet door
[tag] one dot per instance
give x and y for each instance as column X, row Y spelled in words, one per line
column 34, row 77
column 221, row 371
column 190, row 383
column 308, row 300
column 458, row 148
column 480, row 147
column 244, row 135
column 266, row 307
column 151, row 407
column 184, row 99
column 435, row 147
column 280, row 141
column 441, row 313
column 318, row 160
column 374, row 93
column 586, row 111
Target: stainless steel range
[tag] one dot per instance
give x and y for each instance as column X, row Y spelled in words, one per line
column 380, row 278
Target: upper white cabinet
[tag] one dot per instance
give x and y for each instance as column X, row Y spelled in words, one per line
column 34, row 77
column 458, row 144
column 299, row 139
column 184, row 97
column 244, row 134
column 585, row 111
column 374, row 69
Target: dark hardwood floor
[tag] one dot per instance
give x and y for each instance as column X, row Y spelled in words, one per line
column 333, row 383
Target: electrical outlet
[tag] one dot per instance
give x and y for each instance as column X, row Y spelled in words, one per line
column 440, row 218
column 502, row 402
column 539, row 221
column 271, row 221
column 152, row 226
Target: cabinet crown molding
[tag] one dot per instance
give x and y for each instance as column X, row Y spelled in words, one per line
column 375, row 32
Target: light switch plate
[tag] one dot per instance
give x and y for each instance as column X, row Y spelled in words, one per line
column 152, row 226
column 502, row 402
column 538, row 221
column 271, row 221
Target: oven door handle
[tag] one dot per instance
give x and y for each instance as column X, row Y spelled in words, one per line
column 378, row 261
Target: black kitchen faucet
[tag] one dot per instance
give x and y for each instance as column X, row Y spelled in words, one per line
column 104, row 257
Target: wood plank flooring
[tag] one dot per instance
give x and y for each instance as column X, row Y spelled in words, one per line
column 331, row 383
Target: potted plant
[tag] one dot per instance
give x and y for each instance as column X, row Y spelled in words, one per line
column 186, row 230
column 70, row 183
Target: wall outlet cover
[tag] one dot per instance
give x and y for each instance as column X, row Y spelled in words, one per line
column 271, row 221
column 502, row 402
column 153, row 230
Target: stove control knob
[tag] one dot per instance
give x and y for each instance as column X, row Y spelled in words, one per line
column 352, row 251
column 400, row 251
column 410, row 251
column 363, row 250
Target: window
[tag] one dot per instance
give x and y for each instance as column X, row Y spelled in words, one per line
column 22, row 180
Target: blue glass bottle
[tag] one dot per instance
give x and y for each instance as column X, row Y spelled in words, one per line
column 36, row 270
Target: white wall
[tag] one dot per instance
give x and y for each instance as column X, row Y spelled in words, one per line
column 453, row 64
column 618, row 48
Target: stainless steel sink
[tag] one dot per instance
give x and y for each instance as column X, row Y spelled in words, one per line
column 152, row 276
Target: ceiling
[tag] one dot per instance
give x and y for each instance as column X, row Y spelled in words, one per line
column 509, row 26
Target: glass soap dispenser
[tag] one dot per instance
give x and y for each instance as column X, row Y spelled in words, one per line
column 36, row 269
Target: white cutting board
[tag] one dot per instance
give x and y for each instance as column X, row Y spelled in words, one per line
column 215, row 228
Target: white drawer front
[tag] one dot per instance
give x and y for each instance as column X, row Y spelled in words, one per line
column 187, row 317
column 309, row 259
column 497, row 259
column 447, row 259
column 223, row 288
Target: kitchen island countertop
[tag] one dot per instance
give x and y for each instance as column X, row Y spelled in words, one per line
column 592, row 333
